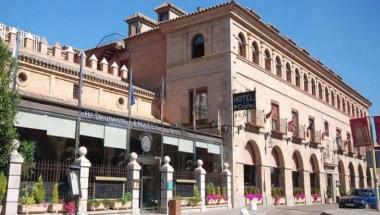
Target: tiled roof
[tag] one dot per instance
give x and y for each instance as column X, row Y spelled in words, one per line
column 143, row 17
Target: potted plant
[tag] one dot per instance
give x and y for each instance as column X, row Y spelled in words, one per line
column 278, row 195
column 211, row 198
column 223, row 196
column 55, row 206
column 299, row 195
column 3, row 189
column 342, row 191
column 107, row 203
column 33, row 199
column 315, row 193
column 95, row 205
column 196, row 200
column 252, row 194
column 329, row 195
column 69, row 207
column 123, row 203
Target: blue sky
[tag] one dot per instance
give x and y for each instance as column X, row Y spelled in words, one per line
column 343, row 34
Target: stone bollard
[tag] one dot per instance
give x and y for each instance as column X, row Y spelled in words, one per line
column 227, row 183
column 14, row 179
column 200, row 177
column 133, row 177
column 84, row 168
column 166, row 184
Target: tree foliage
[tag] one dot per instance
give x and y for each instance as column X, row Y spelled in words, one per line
column 8, row 101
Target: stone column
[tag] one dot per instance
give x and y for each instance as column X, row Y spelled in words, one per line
column 84, row 168
column 133, row 177
column 166, row 184
column 267, row 192
column 307, row 187
column 14, row 179
column 289, row 187
column 200, row 177
column 227, row 183
column 322, row 186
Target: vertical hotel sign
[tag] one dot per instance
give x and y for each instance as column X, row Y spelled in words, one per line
column 360, row 130
column 377, row 128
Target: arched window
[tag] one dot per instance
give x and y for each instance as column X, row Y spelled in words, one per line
column 327, row 95
column 267, row 60
column 278, row 67
column 332, row 99
column 288, row 73
column 338, row 101
column 357, row 112
column 255, row 53
column 344, row 105
column 198, row 46
column 320, row 91
column 298, row 78
column 313, row 86
column 361, row 113
column 348, row 108
column 353, row 109
column 242, row 45
column 305, row 83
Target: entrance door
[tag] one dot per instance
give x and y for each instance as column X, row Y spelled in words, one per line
column 150, row 185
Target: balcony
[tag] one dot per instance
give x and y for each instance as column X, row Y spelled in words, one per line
column 351, row 148
column 360, row 152
column 299, row 133
column 279, row 127
column 256, row 120
column 341, row 146
column 315, row 137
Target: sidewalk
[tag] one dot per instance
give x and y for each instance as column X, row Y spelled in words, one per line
column 350, row 211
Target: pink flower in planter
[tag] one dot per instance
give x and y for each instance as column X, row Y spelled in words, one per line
column 315, row 196
column 300, row 195
column 251, row 196
column 69, row 207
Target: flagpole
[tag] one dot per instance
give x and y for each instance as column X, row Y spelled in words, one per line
column 77, row 126
column 162, row 100
column 15, row 55
column 130, row 94
column 374, row 165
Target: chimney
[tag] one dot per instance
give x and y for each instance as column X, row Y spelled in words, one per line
column 93, row 62
column 104, row 65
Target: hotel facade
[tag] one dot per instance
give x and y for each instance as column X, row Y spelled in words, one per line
column 297, row 138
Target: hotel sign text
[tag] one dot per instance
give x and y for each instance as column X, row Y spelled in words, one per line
column 244, row 101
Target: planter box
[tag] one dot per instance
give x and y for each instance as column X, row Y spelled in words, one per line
column 121, row 205
column 222, row 201
column 184, row 202
column 329, row 200
column 280, row 201
column 55, row 208
column 212, row 202
column 248, row 202
column 32, row 209
column 317, row 200
column 100, row 207
column 299, row 201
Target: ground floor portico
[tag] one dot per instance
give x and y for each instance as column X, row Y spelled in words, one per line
column 288, row 173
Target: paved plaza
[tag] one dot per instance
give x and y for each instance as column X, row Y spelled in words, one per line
column 295, row 210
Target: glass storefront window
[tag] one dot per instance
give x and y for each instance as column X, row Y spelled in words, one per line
column 152, row 149
column 249, row 175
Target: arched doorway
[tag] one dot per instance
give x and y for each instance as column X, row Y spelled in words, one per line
column 361, row 176
column 314, row 176
column 277, row 171
column 252, row 174
column 369, row 178
column 352, row 176
column 342, row 178
column 297, row 173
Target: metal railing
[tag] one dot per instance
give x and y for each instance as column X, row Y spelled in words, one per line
column 257, row 118
column 279, row 125
column 299, row 132
column 315, row 137
column 51, row 172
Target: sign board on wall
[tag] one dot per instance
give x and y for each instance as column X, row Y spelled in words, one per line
column 360, row 132
column 244, row 101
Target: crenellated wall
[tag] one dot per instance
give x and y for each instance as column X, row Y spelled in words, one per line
column 50, row 72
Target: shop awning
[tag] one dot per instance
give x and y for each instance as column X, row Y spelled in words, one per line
column 213, row 149
column 60, row 127
column 115, row 137
column 170, row 140
column 31, row 120
column 92, row 130
column 186, row 146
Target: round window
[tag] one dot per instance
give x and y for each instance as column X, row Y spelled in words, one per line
column 22, row 77
column 121, row 101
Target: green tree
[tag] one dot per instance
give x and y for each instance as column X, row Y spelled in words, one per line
column 8, row 102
